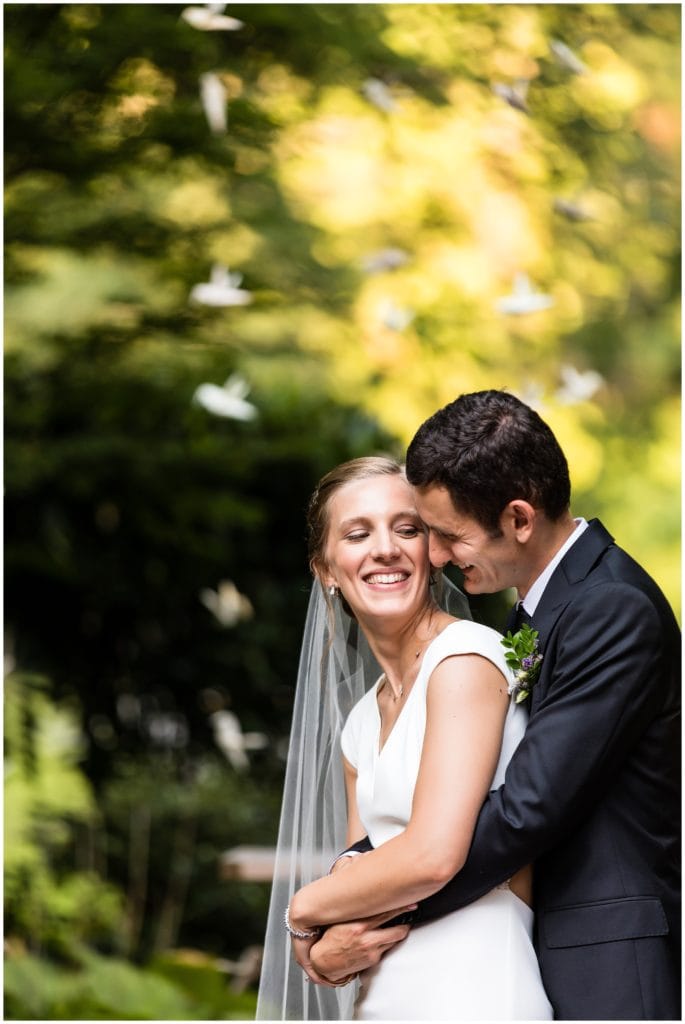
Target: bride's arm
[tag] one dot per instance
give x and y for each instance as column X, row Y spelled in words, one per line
column 466, row 706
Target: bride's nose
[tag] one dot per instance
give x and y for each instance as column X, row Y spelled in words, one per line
column 386, row 546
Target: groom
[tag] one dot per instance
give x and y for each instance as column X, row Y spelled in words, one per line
column 591, row 795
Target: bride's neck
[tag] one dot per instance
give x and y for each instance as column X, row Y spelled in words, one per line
column 397, row 646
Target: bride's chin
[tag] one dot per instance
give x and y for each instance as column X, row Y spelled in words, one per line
column 396, row 606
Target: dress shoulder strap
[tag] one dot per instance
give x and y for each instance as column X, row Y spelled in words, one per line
column 465, row 637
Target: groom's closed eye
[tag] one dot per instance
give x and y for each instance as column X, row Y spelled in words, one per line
column 441, row 535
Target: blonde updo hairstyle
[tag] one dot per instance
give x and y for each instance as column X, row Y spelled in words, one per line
column 318, row 509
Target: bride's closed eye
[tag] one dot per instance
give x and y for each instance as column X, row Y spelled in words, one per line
column 408, row 530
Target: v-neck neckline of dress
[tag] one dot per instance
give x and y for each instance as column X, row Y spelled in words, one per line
column 377, row 746
column 379, row 749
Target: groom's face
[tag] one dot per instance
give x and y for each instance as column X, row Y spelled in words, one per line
column 488, row 563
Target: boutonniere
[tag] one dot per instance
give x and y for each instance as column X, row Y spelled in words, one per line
column 523, row 659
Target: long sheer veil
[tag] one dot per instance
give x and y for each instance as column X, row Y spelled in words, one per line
column 336, row 668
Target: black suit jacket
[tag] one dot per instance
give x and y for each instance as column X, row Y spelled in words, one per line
column 592, row 794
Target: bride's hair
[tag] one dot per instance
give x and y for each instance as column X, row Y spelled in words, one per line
column 318, row 509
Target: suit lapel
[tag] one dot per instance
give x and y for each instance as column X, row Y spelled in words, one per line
column 571, row 571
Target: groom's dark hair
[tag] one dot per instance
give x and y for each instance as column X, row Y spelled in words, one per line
column 488, row 448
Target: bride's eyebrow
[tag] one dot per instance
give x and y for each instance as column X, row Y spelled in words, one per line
column 345, row 524
column 409, row 513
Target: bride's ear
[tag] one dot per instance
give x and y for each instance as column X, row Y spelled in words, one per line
column 323, row 574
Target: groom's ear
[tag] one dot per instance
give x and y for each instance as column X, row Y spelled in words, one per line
column 518, row 520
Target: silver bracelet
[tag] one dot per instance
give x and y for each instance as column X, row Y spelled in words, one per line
column 348, row 854
column 294, row 932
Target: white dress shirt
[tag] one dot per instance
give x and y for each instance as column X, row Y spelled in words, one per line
column 532, row 598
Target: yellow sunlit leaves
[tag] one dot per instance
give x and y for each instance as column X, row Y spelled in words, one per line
column 234, row 246
column 641, row 505
column 663, row 455
column 81, row 16
column 505, row 231
column 612, row 83
column 139, row 87
column 460, row 267
column 198, row 203
column 72, row 292
column 432, row 34
column 412, row 145
column 281, row 94
column 140, row 76
column 330, row 169
column 522, row 32
column 250, row 160
column 584, row 452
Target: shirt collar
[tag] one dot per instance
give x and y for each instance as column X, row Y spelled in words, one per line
column 532, row 598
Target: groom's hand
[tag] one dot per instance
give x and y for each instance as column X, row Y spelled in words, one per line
column 345, row 949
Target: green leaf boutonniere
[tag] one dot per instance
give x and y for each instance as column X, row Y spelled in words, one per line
column 523, row 659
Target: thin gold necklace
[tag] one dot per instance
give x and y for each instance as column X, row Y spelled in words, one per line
column 384, row 677
column 384, row 680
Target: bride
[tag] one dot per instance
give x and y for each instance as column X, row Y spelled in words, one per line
column 419, row 751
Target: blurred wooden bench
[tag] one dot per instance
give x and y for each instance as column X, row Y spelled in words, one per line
column 248, row 863
column 258, row 863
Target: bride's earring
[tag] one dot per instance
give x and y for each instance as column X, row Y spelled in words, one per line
column 332, row 590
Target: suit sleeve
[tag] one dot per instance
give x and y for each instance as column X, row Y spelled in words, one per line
column 609, row 679
column 361, row 846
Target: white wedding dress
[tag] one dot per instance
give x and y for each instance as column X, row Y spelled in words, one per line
column 477, row 963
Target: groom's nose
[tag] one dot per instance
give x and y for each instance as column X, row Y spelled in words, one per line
column 438, row 551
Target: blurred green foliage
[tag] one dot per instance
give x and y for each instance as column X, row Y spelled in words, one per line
column 389, row 174
column 107, row 988
column 47, row 800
